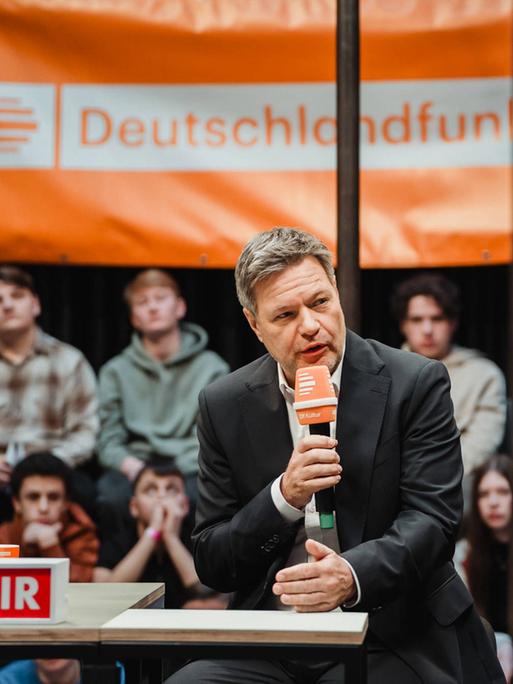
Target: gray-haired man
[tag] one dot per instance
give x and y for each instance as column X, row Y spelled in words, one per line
column 394, row 459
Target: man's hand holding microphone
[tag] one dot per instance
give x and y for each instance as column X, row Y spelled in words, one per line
column 313, row 466
column 326, row 582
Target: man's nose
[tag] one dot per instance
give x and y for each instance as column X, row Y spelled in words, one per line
column 427, row 326
column 43, row 503
column 309, row 325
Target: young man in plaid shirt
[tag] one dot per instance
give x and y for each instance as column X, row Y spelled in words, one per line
column 47, row 388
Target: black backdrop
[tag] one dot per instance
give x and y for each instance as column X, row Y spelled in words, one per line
column 83, row 306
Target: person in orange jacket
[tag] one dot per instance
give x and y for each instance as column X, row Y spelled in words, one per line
column 47, row 523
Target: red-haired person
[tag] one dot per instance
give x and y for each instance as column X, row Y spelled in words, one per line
column 483, row 559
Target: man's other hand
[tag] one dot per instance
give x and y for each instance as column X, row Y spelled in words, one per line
column 314, row 465
column 319, row 586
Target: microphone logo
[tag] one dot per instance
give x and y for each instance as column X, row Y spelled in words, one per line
column 315, row 399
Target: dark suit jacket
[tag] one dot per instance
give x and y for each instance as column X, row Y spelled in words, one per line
column 398, row 505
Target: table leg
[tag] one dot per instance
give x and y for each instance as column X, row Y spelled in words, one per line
column 99, row 673
column 153, row 669
column 133, row 671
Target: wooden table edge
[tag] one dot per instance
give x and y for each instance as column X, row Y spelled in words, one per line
column 114, row 635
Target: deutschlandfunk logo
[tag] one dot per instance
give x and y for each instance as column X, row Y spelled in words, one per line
column 18, row 124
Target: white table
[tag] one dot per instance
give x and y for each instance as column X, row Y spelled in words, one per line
column 238, row 634
column 89, row 607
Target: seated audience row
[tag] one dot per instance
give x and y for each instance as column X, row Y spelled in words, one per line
column 154, row 546
column 147, row 440
column 148, row 394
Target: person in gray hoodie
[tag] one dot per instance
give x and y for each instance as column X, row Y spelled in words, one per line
column 149, row 393
column 427, row 308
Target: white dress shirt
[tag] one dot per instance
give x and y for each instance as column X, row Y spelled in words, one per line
column 311, row 528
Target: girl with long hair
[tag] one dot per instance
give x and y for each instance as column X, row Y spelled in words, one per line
column 483, row 559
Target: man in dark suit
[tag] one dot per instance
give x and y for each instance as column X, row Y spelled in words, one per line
column 394, row 460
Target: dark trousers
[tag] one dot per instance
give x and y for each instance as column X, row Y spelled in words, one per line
column 383, row 668
column 472, row 662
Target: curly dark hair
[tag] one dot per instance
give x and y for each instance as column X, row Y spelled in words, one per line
column 445, row 293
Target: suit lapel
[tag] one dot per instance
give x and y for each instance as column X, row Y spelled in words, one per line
column 361, row 408
column 266, row 419
column 362, row 403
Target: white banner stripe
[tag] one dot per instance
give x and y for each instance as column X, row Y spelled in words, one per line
column 424, row 124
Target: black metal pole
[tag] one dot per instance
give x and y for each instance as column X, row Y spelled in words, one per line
column 348, row 160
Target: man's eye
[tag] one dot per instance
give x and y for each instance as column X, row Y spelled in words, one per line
column 284, row 314
column 320, row 301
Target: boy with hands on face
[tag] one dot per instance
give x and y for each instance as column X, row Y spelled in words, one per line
column 155, row 546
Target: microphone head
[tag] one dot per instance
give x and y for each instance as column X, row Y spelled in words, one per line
column 315, row 399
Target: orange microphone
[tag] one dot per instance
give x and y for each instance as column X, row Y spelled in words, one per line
column 316, row 406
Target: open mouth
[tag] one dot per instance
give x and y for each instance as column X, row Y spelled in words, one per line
column 314, row 350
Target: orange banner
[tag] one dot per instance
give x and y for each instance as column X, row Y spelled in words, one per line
column 169, row 132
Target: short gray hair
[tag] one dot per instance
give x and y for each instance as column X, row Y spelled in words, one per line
column 271, row 252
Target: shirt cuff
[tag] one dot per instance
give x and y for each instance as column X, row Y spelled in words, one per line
column 356, row 601
column 289, row 513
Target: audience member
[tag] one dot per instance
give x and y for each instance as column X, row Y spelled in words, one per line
column 427, row 308
column 47, row 524
column 47, row 388
column 48, row 671
column 483, row 559
column 155, row 546
column 149, row 393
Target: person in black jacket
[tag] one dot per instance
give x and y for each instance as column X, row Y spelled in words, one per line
column 393, row 458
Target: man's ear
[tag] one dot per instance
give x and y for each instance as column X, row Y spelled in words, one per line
column 334, row 283
column 16, row 505
column 133, row 319
column 253, row 323
column 36, row 306
column 181, row 308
